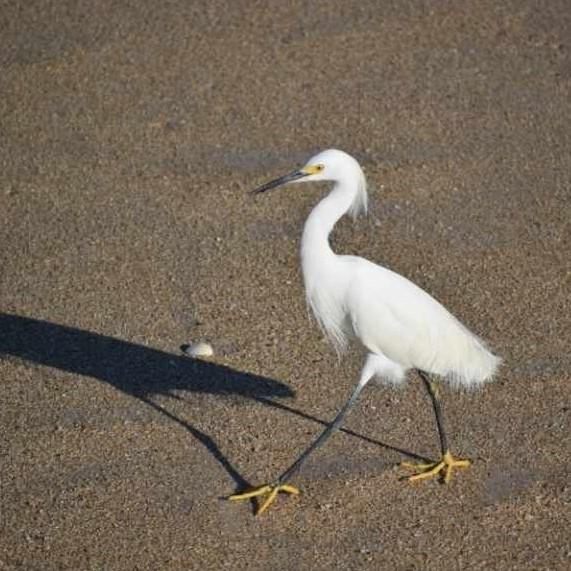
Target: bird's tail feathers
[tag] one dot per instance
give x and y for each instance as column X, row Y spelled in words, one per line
column 466, row 361
column 475, row 364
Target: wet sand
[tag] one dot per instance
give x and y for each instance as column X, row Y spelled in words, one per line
column 130, row 137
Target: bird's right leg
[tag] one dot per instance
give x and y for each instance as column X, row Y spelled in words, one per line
column 280, row 485
column 447, row 463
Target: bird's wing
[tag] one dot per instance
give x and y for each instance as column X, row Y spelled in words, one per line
column 395, row 317
column 388, row 312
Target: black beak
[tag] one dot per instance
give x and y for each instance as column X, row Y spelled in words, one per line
column 295, row 175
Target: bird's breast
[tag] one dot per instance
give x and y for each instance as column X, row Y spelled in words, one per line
column 325, row 297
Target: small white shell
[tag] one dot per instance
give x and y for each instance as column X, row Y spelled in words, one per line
column 199, row 349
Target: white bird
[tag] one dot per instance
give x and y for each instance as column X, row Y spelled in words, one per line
column 400, row 325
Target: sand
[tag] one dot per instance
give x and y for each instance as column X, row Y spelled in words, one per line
column 130, row 135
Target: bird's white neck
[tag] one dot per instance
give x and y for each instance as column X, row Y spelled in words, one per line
column 315, row 248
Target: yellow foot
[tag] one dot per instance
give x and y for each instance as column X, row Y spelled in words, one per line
column 272, row 490
column 444, row 467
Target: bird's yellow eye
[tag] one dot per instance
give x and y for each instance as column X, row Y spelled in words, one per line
column 313, row 169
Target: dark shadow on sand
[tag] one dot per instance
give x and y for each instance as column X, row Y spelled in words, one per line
column 143, row 372
column 133, row 369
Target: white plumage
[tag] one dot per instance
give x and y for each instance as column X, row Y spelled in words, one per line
column 400, row 325
column 391, row 317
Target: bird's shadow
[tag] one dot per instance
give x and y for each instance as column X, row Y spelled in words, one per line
column 142, row 372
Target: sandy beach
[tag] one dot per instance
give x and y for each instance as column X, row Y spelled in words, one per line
column 130, row 135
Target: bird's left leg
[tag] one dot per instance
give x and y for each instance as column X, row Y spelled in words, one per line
column 272, row 489
column 448, row 462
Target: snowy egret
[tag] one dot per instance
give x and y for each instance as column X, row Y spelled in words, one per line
column 400, row 325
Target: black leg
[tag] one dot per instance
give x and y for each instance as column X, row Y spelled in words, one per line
column 280, row 484
column 323, row 436
column 433, row 392
column 447, row 463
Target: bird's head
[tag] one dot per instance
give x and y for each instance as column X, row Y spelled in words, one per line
column 330, row 165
